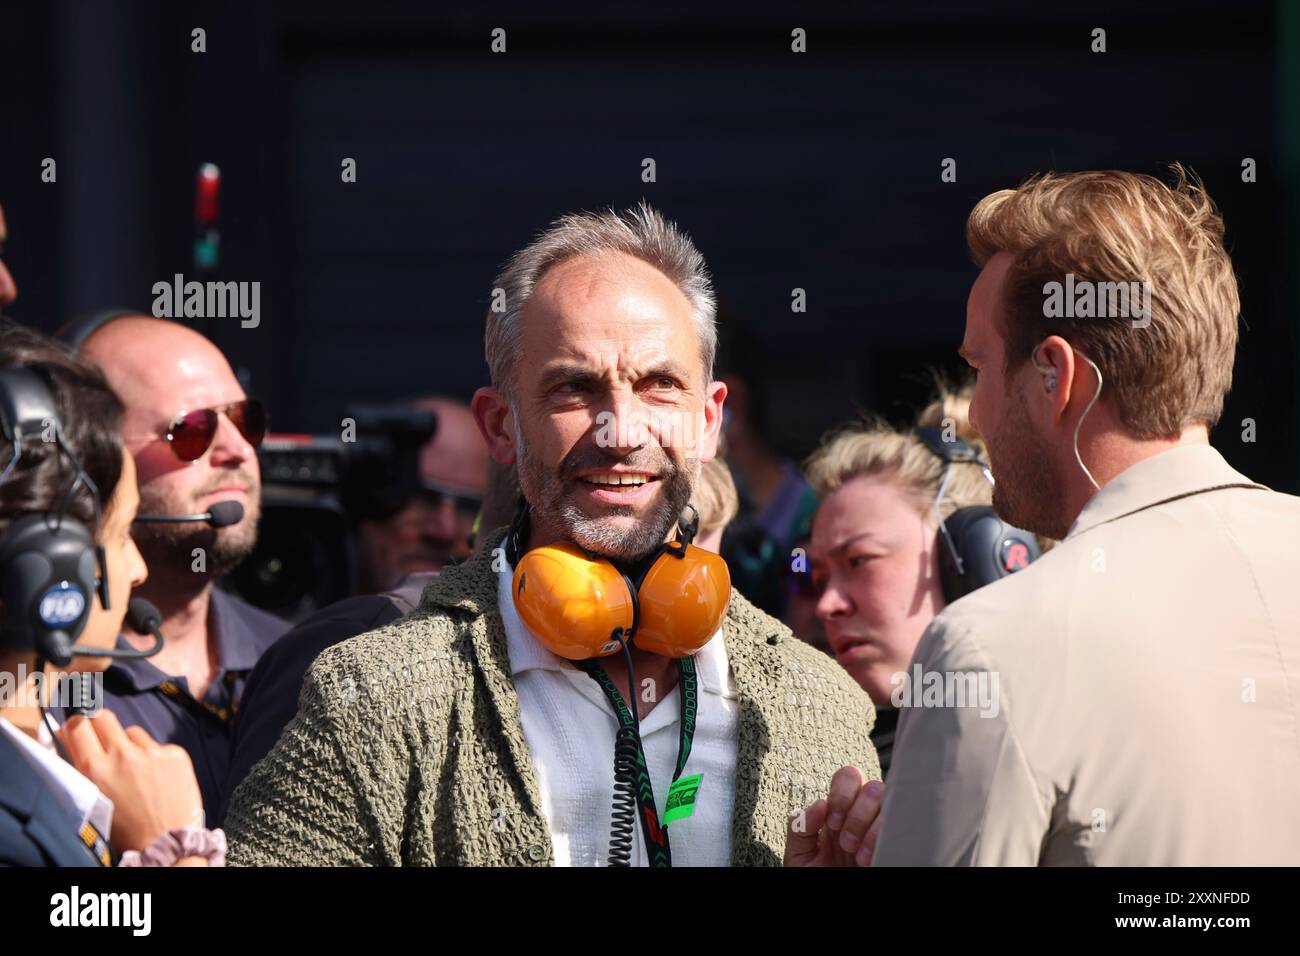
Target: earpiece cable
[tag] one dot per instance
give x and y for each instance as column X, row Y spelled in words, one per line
column 1077, row 427
column 1033, row 357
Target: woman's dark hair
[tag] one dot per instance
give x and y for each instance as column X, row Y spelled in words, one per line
column 90, row 419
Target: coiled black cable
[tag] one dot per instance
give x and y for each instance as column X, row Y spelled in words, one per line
column 626, row 746
column 623, row 821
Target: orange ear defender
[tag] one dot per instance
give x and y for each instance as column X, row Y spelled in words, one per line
column 578, row 605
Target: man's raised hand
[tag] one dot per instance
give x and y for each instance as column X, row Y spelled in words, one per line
column 840, row 830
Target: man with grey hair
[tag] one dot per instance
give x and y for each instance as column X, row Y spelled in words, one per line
column 455, row 735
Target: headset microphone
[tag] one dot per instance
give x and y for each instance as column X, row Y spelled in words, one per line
column 222, row 514
column 143, row 617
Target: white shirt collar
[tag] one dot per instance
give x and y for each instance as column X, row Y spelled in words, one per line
column 78, row 798
column 527, row 653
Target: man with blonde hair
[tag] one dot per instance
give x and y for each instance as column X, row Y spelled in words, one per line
column 1149, row 665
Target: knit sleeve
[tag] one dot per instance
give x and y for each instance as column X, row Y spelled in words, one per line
column 859, row 715
column 830, row 702
column 317, row 798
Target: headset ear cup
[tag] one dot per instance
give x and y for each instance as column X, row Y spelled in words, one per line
column 571, row 603
column 990, row 549
column 683, row 600
column 47, row 577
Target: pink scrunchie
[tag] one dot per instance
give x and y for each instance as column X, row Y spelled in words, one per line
column 176, row 845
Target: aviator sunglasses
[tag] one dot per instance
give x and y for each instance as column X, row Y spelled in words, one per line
column 190, row 434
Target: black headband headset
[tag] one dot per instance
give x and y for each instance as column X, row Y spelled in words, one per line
column 980, row 547
column 74, row 333
column 51, row 565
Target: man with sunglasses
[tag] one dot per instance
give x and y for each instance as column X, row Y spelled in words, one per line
column 194, row 436
column 430, row 529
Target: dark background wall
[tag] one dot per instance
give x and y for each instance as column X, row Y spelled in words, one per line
column 819, row 171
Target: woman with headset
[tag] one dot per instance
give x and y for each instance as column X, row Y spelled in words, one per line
column 903, row 521
column 90, row 792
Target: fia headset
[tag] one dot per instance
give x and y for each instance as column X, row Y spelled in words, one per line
column 50, row 565
column 580, row 605
column 981, row 547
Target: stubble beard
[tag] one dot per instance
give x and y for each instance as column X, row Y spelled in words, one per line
column 168, row 547
column 1029, row 489
column 550, row 494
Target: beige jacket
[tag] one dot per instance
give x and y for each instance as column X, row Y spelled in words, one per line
column 1148, row 671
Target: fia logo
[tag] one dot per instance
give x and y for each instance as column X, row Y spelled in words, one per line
column 61, row 604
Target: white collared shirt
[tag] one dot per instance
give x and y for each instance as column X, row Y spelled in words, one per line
column 570, row 727
column 76, row 797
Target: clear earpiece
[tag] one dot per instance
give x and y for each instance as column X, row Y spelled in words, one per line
column 1050, row 382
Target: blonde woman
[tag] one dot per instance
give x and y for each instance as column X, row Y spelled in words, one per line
column 884, row 534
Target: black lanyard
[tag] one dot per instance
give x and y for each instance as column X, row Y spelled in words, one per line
column 169, row 688
column 655, row 833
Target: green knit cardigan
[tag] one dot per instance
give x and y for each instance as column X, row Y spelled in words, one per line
column 407, row 748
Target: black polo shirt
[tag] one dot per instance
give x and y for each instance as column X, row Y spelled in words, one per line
column 140, row 694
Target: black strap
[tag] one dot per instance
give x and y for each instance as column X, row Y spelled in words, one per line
column 655, row 833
